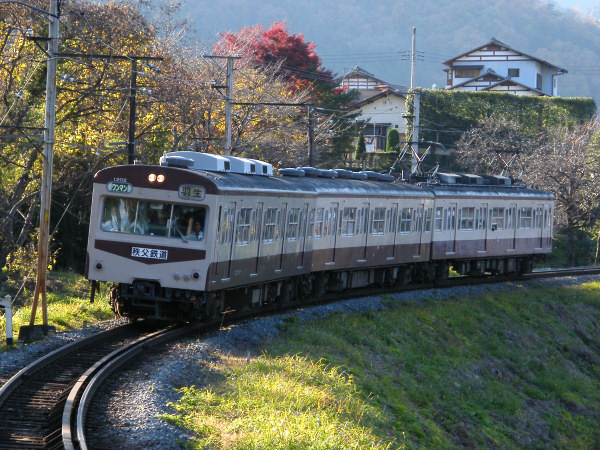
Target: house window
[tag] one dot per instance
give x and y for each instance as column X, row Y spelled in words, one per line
column 538, row 84
column 465, row 73
column 376, row 136
column 513, row 73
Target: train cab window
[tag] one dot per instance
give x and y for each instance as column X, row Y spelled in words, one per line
column 438, row 220
column 118, row 214
column 153, row 218
column 188, row 222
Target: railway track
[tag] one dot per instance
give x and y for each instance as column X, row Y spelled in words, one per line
column 35, row 402
column 44, row 405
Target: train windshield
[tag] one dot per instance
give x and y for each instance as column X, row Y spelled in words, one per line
column 125, row 215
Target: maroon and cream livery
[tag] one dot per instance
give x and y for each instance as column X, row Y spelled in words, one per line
column 199, row 232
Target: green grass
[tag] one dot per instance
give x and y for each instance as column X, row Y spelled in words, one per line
column 507, row 369
column 68, row 306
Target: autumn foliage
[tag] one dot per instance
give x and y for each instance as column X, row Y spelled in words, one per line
column 276, row 47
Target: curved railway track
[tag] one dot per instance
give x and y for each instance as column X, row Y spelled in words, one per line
column 44, row 405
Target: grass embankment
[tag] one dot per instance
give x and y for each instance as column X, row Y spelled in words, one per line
column 68, row 305
column 509, row 369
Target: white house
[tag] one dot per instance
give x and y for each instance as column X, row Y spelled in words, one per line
column 497, row 67
column 380, row 105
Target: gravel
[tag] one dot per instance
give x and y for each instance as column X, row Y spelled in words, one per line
column 125, row 417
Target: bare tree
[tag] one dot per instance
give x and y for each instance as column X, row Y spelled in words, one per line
column 562, row 160
column 493, row 145
column 567, row 164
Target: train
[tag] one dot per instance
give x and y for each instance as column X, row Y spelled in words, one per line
column 199, row 233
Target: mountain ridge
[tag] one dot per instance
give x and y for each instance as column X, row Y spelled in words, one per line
column 378, row 37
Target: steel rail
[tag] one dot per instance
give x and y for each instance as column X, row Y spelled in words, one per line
column 81, row 395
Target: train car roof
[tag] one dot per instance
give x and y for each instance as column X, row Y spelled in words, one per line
column 453, row 190
column 311, row 185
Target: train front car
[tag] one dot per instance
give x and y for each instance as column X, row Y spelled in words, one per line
column 149, row 235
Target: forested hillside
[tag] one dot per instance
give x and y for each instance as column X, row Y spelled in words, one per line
column 375, row 35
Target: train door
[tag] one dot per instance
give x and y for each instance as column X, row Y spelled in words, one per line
column 224, row 245
column 548, row 226
column 451, row 228
column 281, row 230
column 512, row 225
column 302, row 233
column 391, row 225
column 418, row 228
column 257, row 234
column 539, row 223
column 482, row 226
column 332, row 230
column 366, row 210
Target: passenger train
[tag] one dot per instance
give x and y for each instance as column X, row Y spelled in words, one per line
column 199, row 233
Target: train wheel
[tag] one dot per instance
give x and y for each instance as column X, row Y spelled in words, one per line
column 441, row 271
column 287, row 292
column 304, row 286
column 404, row 276
column 526, row 266
column 320, row 284
column 215, row 306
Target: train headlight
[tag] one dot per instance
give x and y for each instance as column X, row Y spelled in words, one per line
column 154, row 177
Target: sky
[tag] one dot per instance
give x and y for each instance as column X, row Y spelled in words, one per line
column 583, row 5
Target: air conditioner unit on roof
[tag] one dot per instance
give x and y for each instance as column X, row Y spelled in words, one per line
column 201, row 161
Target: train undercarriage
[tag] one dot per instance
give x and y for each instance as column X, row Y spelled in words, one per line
column 147, row 299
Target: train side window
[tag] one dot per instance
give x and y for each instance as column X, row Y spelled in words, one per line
column 525, row 218
column 270, row 225
column 310, row 229
column 319, row 223
column 378, row 223
column 293, row 224
column 244, row 221
column 438, row 220
column 466, row 220
column 348, row 221
column 497, row 218
column 405, row 220
column 427, row 226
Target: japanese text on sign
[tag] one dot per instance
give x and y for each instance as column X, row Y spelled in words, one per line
column 152, row 253
column 190, row 192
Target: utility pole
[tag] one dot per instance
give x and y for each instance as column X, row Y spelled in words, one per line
column 412, row 57
column 311, row 138
column 417, row 102
column 415, row 139
column 46, row 187
column 228, row 104
column 228, row 95
column 132, row 89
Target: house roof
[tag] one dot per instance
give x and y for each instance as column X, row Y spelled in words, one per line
column 499, row 81
column 374, row 98
column 495, row 41
column 510, row 81
column 360, row 71
column 488, row 73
